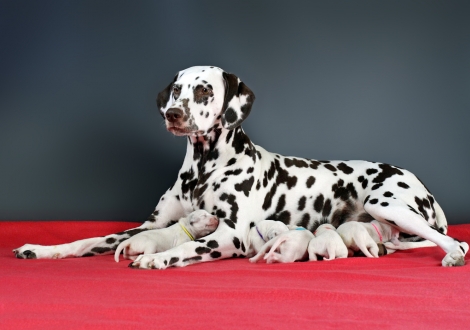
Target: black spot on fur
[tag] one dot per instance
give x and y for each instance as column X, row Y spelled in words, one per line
column 403, row 185
column 374, row 201
column 364, row 183
column 388, row 194
column 230, row 223
column 387, row 172
column 344, row 193
column 110, row 240
column 305, row 220
column 361, row 178
column 327, row 208
column 345, row 168
column 202, row 250
column 310, row 181
column 365, row 200
column 212, row 244
column 383, row 203
column 318, row 204
column 371, row 171
column 245, row 186
column 302, row 201
column 231, row 161
column 422, row 205
column 281, row 203
column 192, row 259
column 330, row 167
column 215, row 254
column 173, row 260
column 231, row 200
column 295, row 162
column 236, row 243
column 101, row 250
column 314, row 164
column 376, row 186
column 268, row 198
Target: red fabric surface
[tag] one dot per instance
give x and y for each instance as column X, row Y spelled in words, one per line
column 407, row 289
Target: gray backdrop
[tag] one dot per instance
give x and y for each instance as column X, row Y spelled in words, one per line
column 81, row 138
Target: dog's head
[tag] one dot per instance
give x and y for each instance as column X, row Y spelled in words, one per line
column 203, row 97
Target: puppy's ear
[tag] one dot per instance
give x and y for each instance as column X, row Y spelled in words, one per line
column 164, row 96
column 237, row 103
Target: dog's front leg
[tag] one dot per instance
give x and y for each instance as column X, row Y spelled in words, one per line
column 223, row 243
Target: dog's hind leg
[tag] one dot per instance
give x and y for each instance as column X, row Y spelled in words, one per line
column 400, row 215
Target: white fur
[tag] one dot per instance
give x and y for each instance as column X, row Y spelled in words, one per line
column 199, row 224
column 327, row 243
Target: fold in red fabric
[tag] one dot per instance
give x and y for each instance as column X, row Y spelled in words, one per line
column 407, row 289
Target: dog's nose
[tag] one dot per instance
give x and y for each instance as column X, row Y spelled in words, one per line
column 173, row 114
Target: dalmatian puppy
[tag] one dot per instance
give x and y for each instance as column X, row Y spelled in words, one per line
column 228, row 175
column 326, row 243
column 287, row 247
column 196, row 225
column 262, row 232
column 357, row 238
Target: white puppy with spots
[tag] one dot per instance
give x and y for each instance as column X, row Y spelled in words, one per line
column 196, row 225
column 326, row 243
column 287, row 247
column 262, row 232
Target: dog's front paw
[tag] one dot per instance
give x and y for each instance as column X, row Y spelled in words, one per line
column 32, row 251
column 150, row 261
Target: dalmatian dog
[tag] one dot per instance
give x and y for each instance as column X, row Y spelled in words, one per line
column 326, row 243
column 241, row 183
column 262, row 232
column 288, row 247
column 196, row 225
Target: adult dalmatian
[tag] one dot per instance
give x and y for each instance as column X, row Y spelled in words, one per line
column 229, row 176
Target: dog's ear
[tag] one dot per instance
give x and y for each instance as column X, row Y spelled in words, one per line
column 164, row 96
column 237, row 103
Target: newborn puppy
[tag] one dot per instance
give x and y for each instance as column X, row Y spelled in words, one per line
column 291, row 246
column 327, row 243
column 195, row 225
column 382, row 233
column 264, row 231
column 357, row 238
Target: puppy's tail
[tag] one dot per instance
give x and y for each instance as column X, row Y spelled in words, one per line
column 270, row 254
column 119, row 249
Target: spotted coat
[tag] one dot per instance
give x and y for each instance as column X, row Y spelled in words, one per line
column 241, row 183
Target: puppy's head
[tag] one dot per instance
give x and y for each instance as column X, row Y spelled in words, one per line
column 202, row 223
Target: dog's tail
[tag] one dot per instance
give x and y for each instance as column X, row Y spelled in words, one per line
column 119, row 249
column 279, row 241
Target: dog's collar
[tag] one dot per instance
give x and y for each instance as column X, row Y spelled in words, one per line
column 378, row 232
column 300, row 228
column 187, row 232
column 257, row 230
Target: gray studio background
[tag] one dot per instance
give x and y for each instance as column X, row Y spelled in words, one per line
column 81, row 138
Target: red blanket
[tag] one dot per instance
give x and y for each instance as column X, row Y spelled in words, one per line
column 406, row 289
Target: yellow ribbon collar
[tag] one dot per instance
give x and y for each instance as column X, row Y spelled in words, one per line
column 187, row 232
